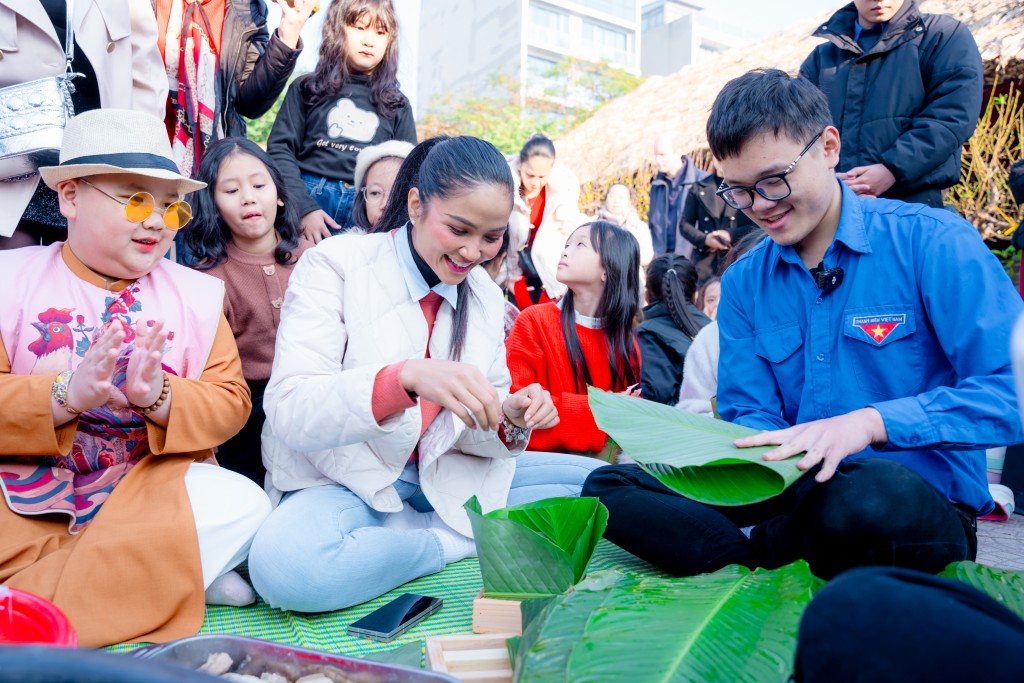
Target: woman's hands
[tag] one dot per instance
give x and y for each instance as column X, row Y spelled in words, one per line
column 531, row 407
column 459, row 387
column 464, row 390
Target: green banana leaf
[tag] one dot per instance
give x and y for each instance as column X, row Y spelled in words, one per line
column 1003, row 585
column 692, row 454
column 733, row 625
column 536, row 549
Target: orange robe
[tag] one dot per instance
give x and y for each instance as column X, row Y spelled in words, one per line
column 134, row 574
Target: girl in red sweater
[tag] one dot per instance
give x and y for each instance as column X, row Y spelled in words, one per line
column 585, row 339
column 246, row 233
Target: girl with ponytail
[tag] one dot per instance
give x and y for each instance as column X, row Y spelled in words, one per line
column 671, row 321
column 389, row 405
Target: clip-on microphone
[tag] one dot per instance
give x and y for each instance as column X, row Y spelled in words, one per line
column 827, row 279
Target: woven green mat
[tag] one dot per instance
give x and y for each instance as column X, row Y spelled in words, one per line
column 457, row 586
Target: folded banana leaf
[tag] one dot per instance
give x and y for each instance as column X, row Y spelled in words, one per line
column 692, row 454
column 733, row 625
column 536, row 549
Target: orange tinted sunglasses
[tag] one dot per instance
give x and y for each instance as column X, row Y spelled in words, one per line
column 141, row 206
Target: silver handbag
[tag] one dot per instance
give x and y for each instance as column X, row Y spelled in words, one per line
column 33, row 116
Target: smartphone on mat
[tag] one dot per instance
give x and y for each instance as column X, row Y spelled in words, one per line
column 395, row 618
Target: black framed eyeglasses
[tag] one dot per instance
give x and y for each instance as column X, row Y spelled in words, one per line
column 773, row 187
column 141, row 206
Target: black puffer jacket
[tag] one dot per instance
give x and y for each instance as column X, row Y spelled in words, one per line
column 663, row 348
column 910, row 103
column 704, row 213
column 254, row 66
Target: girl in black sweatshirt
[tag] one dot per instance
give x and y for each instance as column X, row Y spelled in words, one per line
column 350, row 102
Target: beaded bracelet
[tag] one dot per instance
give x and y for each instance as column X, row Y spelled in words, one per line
column 160, row 401
column 513, row 434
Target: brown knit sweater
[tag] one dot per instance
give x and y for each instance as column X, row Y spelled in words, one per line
column 254, row 287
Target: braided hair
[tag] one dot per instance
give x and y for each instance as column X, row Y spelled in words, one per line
column 672, row 280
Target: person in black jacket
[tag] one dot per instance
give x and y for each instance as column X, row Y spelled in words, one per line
column 711, row 226
column 670, row 323
column 905, row 92
column 676, row 175
column 252, row 66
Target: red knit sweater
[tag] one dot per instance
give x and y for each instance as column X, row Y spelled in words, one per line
column 536, row 353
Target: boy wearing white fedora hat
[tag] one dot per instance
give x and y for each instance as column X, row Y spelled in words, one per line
column 118, row 376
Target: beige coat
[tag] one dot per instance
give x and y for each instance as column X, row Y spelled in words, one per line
column 561, row 216
column 348, row 314
column 119, row 39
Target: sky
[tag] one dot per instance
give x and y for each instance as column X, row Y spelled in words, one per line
column 759, row 18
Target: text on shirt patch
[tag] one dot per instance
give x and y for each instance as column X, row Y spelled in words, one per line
column 878, row 327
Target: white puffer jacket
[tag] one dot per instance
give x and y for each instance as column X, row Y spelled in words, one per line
column 347, row 314
column 561, row 216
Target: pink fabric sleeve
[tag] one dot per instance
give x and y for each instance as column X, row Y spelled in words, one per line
column 388, row 395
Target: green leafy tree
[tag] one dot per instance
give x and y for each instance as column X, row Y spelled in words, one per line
column 573, row 90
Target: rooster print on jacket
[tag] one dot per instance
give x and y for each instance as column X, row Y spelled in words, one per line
column 109, row 439
column 56, row 342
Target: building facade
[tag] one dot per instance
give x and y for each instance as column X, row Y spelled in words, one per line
column 676, row 35
column 465, row 44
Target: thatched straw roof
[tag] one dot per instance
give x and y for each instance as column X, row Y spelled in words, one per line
column 617, row 140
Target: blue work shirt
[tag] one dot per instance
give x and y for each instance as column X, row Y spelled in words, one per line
column 919, row 329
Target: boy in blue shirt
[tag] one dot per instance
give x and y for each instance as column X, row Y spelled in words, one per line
column 870, row 335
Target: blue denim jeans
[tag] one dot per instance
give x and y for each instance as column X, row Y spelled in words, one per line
column 324, row 549
column 334, row 197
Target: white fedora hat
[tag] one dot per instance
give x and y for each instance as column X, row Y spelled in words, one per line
column 116, row 141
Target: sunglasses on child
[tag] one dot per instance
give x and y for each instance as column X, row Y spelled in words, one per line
column 141, row 206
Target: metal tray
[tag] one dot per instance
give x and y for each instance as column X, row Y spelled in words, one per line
column 253, row 656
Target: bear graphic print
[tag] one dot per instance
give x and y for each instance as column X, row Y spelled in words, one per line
column 349, row 121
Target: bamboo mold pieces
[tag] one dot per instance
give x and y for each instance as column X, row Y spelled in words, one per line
column 497, row 616
column 479, row 658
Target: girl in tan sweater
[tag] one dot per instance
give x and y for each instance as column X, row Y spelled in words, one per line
column 246, row 232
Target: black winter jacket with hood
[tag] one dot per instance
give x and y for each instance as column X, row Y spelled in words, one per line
column 910, row 103
column 253, row 68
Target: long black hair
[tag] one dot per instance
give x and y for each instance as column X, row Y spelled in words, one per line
column 441, row 168
column 617, row 308
column 672, row 280
column 207, row 236
column 332, row 71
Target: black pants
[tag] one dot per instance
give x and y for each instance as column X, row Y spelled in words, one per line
column 871, row 512
column 242, row 453
column 882, row 625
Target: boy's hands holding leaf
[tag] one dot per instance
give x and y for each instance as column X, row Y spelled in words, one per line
column 826, row 441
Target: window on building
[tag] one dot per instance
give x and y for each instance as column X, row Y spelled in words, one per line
column 539, row 80
column 625, row 9
column 653, row 17
column 548, row 21
column 610, row 41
